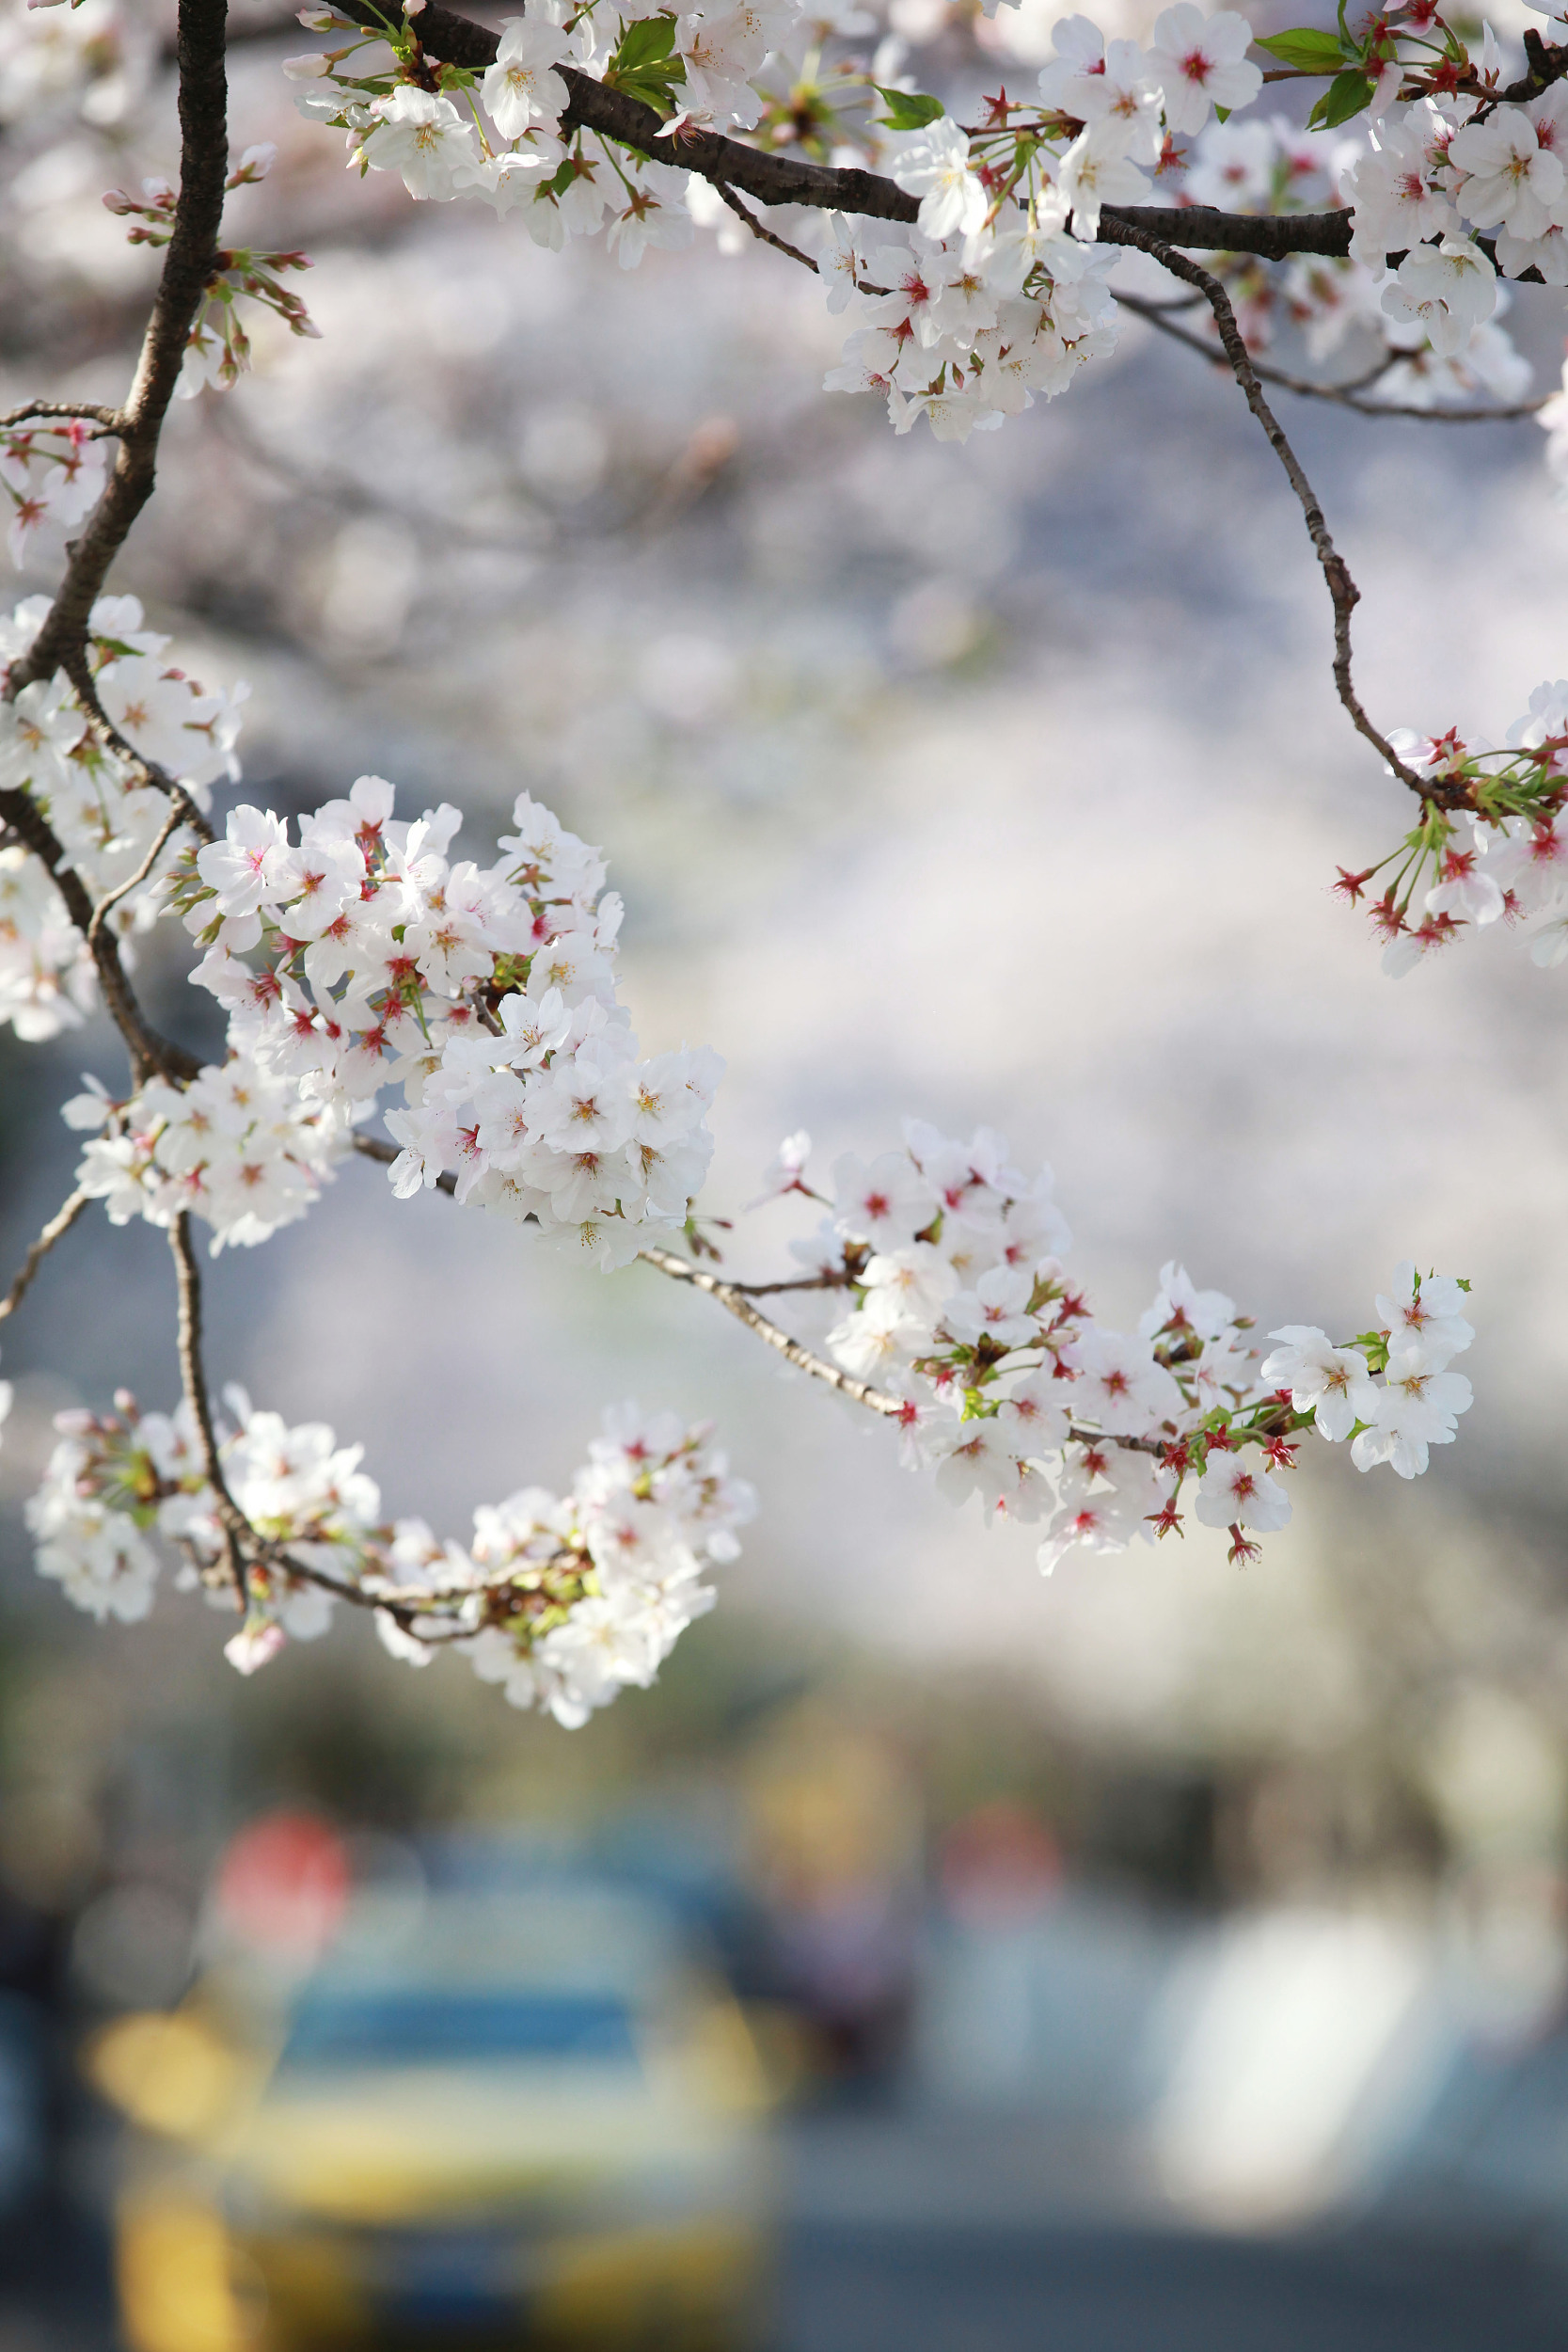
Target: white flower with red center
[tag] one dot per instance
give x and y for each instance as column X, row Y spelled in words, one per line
column 1119, row 1384
column 1399, row 204
column 1030, row 1419
column 319, row 884
column 1200, row 63
column 1334, row 1384
column 885, row 1203
column 1426, row 1311
column 1179, row 1307
column 1503, row 177
column 1102, row 1504
column 1466, row 889
column 1236, row 1491
column 1418, row 1407
column 997, row 1310
column 250, row 867
column 905, row 310
column 975, row 1458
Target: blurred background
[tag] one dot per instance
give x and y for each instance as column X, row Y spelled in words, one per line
column 1164, row 1952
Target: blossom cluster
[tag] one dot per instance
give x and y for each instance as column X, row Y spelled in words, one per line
column 362, row 957
column 217, row 349
column 1492, row 844
column 995, row 293
column 563, row 1600
column 1009, row 1388
column 102, row 811
column 1325, row 302
column 50, row 472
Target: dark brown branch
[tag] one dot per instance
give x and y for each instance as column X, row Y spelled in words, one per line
column 84, row 687
column 188, row 265
column 57, row 1227
column 237, row 1530
column 148, row 1051
column 775, row 179
column 1343, row 591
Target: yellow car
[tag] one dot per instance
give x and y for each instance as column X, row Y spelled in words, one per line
column 522, row 2119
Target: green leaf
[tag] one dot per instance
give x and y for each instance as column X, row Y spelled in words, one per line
column 1310, row 50
column 1345, row 96
column 645, row 65
column 645, row 43
column 906, row 110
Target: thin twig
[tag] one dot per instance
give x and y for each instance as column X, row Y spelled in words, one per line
column 734, row 1300
column 58, row 1226
column 237, row 1530
column 171, row 824
column 79, row 669
column 1343, row 591
column 374, row 1149
column 757, row 230
column 1343, row 395
column 402, row 1602
column 110, row 419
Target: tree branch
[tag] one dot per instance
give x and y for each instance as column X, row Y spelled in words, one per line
column 757, row 229
column 775, row 179
column 1343, row 591
column 57, row 1227
column 171, row 824
column 188, row 265
column 237, row 1530
column 148, row 1051
column 1343, row 395
column 734, row 1300
column 109, row 419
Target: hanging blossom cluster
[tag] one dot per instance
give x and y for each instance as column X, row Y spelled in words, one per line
column 564, row 1600
column 998, row 293
column 218, row 349
column 104, row 812
column 361, row 957
column 1011, row 1389
column 1492, row 845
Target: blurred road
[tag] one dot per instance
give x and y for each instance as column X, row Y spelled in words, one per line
column 894, row 2274
column 965, row 2288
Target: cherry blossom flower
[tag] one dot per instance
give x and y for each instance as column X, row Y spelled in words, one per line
column 1200, row 62
column 522, row 88
column 1332, row 1384
column 1418, row 1407
column 1236, row 1492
